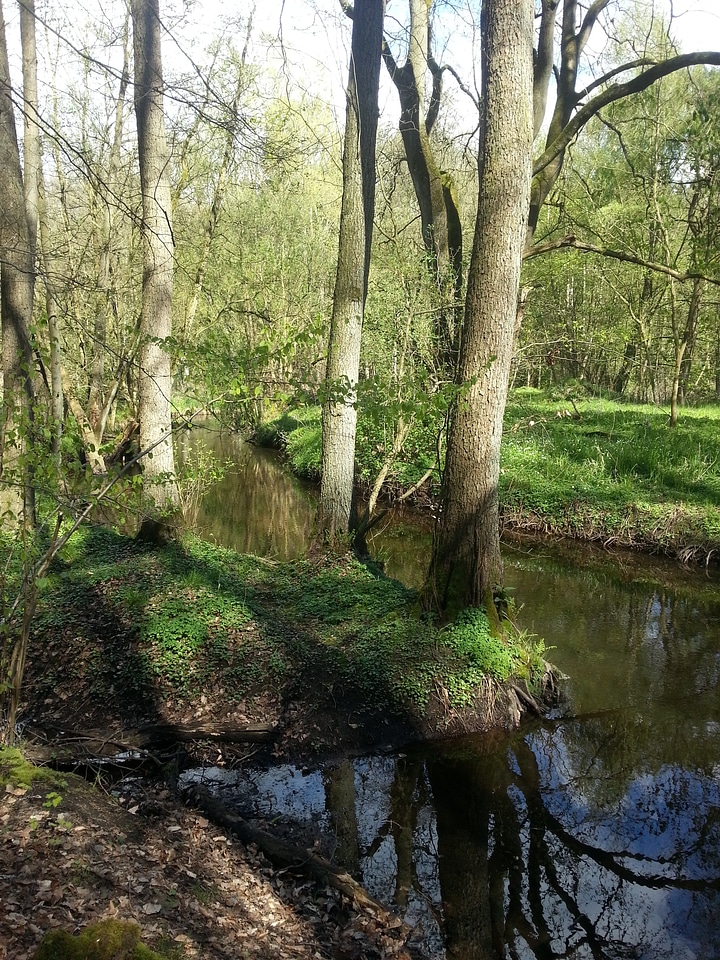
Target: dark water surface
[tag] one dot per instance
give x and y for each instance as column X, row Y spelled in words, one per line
column 591, row 835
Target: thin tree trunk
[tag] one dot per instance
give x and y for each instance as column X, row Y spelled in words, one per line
column 105, row 265
column 356, row 219
column 690, row 337
column 434, row 189
column 154, row 379
column 17, row 282
column 466, row 551
column 57, row 404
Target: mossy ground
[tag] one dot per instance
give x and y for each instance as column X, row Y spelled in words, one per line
column 325, row 649
column 110, row 939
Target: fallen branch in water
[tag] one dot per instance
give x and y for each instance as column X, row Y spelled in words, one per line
column 65, row 746
column 294, row 856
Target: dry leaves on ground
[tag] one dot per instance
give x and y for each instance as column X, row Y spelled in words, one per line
column 73, row 855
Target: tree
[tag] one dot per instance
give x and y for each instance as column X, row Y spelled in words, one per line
column 154, row 384
column 466, row 543
column 434, row 188
column 466, row 549
column 17, row 284
column 356, row 220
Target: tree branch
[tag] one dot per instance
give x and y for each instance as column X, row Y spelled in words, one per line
column 588, row 23
column 572, row 242
column 543, row 62
column 617, row 92
column 607, row 77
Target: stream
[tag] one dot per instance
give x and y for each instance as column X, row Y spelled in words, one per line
column 590, row 834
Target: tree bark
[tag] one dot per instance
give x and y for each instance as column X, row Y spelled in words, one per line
column 466, row 551
column 154, row 380
column 434, row 190
column 356, row 221
column 17, row 284
column 106, row 265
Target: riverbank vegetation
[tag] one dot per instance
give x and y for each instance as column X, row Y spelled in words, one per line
column 321, row 651
column 571, row 466
column 217, row 234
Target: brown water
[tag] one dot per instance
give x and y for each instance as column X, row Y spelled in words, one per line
column 595, row 834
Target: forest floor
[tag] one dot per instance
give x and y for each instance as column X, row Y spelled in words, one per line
column 72, row 854
column 572, row 465
column 307, row 661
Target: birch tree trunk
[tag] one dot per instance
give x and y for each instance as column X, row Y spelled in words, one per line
column 356, row 220
column 466, row 552
column 154, row 379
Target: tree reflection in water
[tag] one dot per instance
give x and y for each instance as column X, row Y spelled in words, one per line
column 596, row 836
column 533, row 860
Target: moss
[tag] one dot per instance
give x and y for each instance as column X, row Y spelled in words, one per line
column 16, row 771
column 107, row 940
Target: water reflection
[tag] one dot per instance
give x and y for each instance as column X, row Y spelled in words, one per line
column 257, row 508
column 594, row 835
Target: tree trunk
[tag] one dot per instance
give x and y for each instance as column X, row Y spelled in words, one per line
column 690, row 337
column 434, row 190
column 356, row 220
column 577, row 26
column 466, row 550
column 17, row 283
column 106, row 267
column 154, row 380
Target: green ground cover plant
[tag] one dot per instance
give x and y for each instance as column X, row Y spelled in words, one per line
column 135, row 629
column 582, row 467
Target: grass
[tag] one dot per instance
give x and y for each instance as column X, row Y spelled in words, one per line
column 602, row 470
column 586, row 468
column 128, row 628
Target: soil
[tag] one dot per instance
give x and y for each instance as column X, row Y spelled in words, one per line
column 130, row 848
column 133, row 852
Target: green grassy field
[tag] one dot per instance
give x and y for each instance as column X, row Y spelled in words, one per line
column 597, row 469
column 587, row 468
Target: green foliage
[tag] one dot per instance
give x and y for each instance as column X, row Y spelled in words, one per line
column 469, row 636
column 299, row 433
column 188, row 633
column 606, row 469
column 108, row 939
column 194, row 618
column 303, row 447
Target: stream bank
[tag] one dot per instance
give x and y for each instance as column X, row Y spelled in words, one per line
column 326, row 656
column 594, row 471
column 304, row 660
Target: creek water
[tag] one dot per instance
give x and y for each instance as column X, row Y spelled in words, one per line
column 591, row 834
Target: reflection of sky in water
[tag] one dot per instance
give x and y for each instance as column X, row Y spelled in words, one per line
column 280, row 791
column 601, row 832
column 641, row 863
column 665, row 824
column 602, row 868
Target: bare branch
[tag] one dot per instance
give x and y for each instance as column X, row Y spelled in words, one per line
column 571, row 241
column 617, row 92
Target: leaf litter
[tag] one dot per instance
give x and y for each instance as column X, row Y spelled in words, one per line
column 195, row 891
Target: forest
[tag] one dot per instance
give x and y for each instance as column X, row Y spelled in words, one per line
column 462, row 255
column 171, row 251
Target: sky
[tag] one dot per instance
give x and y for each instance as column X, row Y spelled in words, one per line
column 315, row 36
column 307, row 40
